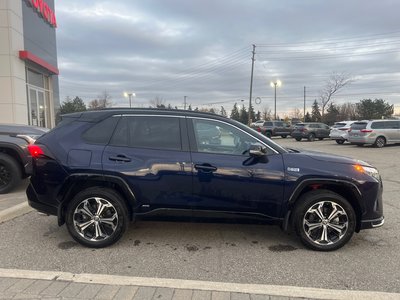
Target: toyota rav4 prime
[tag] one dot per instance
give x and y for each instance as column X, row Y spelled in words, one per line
column 98, row 170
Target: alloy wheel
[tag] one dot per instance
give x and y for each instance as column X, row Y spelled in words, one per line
column 5, row 176
column 95, row 219
column 325, row 223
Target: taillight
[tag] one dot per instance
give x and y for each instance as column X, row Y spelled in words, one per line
column 365, row 130
column 258, row 129
column 35, row 151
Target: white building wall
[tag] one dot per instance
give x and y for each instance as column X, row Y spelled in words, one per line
column 13, row 97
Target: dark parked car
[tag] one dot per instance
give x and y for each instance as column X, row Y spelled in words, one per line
column 274, row 128
column 15, row 159
column 310, row 131
column 98, row 170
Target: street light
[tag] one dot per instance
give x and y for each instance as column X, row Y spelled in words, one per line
column 129, row 95
column 274, row 84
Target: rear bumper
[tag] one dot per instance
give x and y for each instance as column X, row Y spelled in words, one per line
column 33, row 201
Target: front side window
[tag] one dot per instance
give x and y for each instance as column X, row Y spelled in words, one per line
column 217, row 137
column 153, row 132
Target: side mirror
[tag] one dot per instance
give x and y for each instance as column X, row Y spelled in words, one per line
column 257, row 150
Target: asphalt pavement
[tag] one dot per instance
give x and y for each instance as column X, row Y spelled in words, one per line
column 222, row 252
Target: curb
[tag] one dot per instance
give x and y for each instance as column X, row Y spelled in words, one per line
column 272, row 290
column 14, row 211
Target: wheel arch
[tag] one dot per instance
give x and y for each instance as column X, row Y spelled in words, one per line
column 346, row 189
column 14, row 152
column 78, row 182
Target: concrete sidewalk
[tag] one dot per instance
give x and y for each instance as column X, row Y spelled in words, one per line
column 27, row 284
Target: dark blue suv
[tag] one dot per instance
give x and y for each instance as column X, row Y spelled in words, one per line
column 98, row 170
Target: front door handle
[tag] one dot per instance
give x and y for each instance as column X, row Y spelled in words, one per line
column 205, row 168
column 120, row 157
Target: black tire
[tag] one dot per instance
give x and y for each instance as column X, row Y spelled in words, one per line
column 380, row 142
column 311, row 137
column 117, row 208
column 320, row 139
column 268, row 134
column 284, row 136
column 340, row 142
column 10, row 173
column 360, row 145
column 309, row 237
column 298, row 139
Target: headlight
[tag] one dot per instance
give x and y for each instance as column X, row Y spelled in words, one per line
column 369, row 171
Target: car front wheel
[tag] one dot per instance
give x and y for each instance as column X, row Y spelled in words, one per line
column 324, row 220
column 97, row 217
column 340, row 142
column 311, row 137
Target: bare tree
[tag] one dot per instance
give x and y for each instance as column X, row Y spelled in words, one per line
column 333, row 85
column 296, row 114
column 266, row 113
column 157, row 102
column 103, row 101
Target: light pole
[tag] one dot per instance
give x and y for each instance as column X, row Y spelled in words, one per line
column 129, row 95
column 274, row 84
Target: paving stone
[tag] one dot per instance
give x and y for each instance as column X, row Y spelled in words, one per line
column 201, row 295
column 220, row 296
column 278, row 298
column 71, row 290
column 89, row 291
column 107, row 292
column 163, row 294
column 55, row 288
column 25, row 296
column 259, row 297
column 182, row 294
column 240, row 296
column 37, row 287
column 6, row 295
column 5, row 283
column 20, row 285
column 127, row 292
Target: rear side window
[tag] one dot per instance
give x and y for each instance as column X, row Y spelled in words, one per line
column 359, row 125
column 385, row 125
column 268, row 123
column 338, row 125
column 148, row 132
column 100, row 133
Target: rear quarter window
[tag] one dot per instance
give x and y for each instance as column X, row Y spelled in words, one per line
column 101, row 132
column 378, row 125
column 358, row 126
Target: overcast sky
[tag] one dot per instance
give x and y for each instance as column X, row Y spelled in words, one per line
column 202, row 49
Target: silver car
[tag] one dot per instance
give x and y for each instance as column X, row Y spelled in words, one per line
column 375, row 132
column 340, row 131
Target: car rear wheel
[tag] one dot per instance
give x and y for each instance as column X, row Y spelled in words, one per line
column 311, row 137
column 10, row 173
column 284, row 136
column 380, row 142
column 97, row 217
column 298, row 139
column 268, row 134
column 340, row 142
column 324, row 220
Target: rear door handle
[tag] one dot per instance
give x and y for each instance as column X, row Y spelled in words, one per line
column 205, row 167
column 120, row 157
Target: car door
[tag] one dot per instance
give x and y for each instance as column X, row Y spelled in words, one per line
column 325, row 130
column 151, row 154
column 226, row 178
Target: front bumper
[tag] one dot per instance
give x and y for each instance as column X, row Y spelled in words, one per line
column 367, row 224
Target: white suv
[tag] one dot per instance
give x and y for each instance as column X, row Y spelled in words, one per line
column 340, row 131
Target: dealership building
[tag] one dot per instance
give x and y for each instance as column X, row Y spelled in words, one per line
column 29, row 91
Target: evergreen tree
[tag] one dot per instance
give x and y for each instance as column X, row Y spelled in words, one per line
column 331, row 115
column 235, row 115
column 70, row 106
column 258, row 115
column 243, row 115
column 315, row 112
column 368, row 109
column 308, row 117
column 223, row 111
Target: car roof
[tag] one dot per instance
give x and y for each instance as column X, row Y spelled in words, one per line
column 97, row 115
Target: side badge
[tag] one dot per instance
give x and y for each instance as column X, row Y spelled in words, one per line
column 293, row 169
